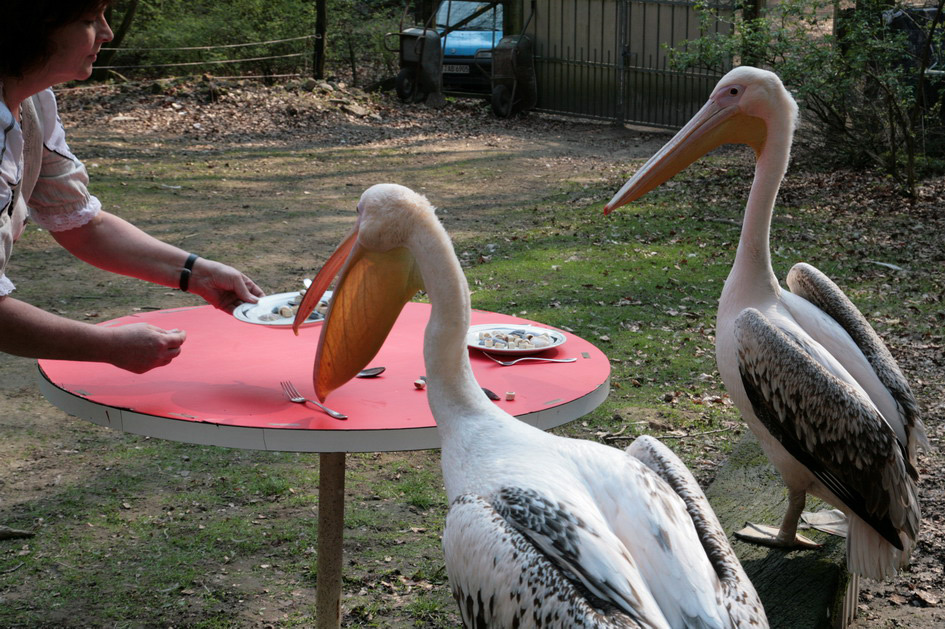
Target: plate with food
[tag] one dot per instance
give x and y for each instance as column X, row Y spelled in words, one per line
column 510, row 339
column 280, row 309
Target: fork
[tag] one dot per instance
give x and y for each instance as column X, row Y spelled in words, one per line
column 294, row 396
column 507, row 363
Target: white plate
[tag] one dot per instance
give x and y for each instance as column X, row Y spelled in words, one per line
column 473, row 341
column 269, row 305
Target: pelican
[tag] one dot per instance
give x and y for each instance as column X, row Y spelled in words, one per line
column 542, row 531
column 816, row 385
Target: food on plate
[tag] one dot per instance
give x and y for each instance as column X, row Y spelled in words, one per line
column 288, row 309
column 280, row 309
column 514, row 339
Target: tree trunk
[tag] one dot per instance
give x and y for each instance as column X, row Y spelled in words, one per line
column 105, row 56
column 321, row 19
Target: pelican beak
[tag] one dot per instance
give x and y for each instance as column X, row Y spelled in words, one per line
column 324, row 279
column 369, row 295
column 710, row 128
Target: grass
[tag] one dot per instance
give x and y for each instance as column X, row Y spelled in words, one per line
column 153, row 533
column 638, row 283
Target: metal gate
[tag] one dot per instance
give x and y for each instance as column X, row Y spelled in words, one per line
column 607, row 59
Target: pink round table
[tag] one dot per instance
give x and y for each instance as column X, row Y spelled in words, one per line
column 223, row 390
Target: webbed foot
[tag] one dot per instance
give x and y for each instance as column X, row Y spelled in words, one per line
column 831, row 521
column 771, row 536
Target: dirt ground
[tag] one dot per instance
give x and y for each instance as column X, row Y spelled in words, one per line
column 414, row 146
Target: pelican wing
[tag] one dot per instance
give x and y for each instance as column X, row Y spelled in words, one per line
column 621, row 531
column 499, row 578
column 808, row 282
column 828, row 425
column 584, row 551
column 741, row 599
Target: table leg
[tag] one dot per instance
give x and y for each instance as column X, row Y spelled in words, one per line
column 331, row 521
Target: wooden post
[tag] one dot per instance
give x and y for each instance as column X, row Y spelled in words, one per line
column 331, row 522
column 751, row 9
column 513, row 17
column 424, row 11
column 623, row 52
column 321, row 19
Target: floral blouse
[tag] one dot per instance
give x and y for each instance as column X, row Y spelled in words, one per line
column 40, row 178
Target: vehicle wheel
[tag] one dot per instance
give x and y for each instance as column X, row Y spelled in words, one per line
column 502, row 101
column 408, row 86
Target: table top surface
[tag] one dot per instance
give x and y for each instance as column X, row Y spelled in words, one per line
column 224, row 387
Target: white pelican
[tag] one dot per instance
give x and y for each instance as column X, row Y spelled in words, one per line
column 542, row 531
column 812, row 379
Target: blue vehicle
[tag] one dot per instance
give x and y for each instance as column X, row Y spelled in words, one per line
column 473, row 30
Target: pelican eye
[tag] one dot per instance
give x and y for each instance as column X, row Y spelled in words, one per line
column 733, row 91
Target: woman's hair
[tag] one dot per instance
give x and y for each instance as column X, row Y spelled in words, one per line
column 26, row 27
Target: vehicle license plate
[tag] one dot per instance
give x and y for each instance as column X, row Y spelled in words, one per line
column 455, row 69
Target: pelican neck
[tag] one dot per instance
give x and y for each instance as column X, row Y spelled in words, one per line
column 450, row 380
column 754, row 252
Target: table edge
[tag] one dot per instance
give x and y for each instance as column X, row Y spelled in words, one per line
column 289, row 439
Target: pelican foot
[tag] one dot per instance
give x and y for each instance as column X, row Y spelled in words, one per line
column 771, row 536
column 832, row 521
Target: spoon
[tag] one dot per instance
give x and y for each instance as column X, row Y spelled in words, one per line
column 371, row 372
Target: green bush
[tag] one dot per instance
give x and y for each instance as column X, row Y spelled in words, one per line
column 866, row 88
column 167, row 32
column 160, row 26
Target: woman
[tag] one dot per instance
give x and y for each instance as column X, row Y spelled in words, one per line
column 43, row 43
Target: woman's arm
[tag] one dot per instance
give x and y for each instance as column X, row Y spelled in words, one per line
column 113, row 244
column 34, row 333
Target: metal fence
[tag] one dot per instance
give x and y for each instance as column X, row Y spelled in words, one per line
column 607, row 59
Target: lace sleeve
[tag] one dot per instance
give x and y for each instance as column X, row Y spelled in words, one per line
column 61, row 199
column 6, row 286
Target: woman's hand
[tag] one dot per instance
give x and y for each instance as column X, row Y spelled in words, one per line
column 140, row 347
column 222, row 286
column 34, row 333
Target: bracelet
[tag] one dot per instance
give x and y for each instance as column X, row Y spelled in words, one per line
column 186, row 271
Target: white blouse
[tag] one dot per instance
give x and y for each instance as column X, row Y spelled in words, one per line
column 40, row 178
